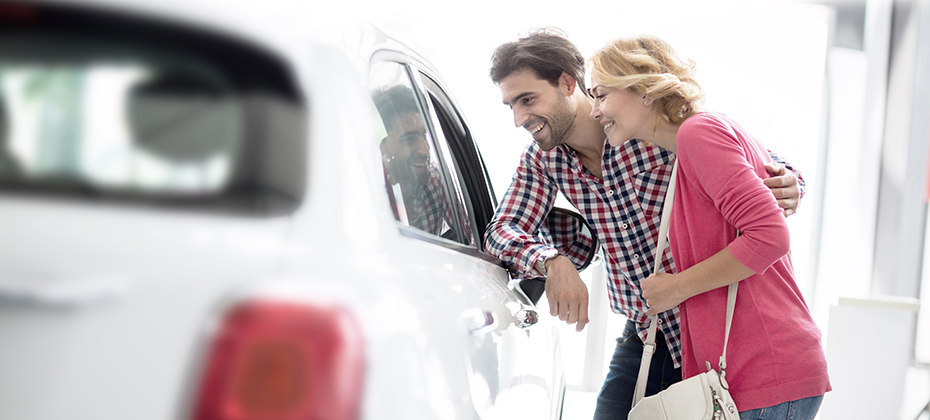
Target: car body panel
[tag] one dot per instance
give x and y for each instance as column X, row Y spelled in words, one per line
column 108, row 306
column 140, row 283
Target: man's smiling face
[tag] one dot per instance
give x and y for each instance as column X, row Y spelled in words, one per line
column 407, row 150
column 539, row 107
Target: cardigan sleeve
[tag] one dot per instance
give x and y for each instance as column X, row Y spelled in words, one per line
column 729, row 170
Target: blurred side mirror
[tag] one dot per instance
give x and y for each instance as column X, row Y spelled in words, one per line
column 568, row 232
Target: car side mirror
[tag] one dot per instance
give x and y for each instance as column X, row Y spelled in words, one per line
column 568, row 232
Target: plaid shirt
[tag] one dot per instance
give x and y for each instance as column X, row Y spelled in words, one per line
column 624, row 209
column 432, row 212
column 562, row 233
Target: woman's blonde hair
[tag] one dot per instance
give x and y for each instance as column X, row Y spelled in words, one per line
column 651, row 67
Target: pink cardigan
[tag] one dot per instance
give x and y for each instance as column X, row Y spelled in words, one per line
column 774, row 354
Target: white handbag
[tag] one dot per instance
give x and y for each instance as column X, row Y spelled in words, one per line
column 701, row 397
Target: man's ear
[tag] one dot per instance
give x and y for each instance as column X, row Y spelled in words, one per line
column 567, row 84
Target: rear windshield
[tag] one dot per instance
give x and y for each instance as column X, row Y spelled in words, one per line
column 156, row 113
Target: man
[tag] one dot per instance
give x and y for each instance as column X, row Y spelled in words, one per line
column 620, row 191
column 412, row 178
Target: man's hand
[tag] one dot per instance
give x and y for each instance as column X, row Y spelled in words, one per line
column 784, row 186
column 567, row 294
column 661, row 293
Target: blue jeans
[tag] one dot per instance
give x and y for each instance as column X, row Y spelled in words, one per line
column 616, row 397
column 803, row 409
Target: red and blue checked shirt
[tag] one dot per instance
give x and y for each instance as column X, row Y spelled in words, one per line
column 432, row 211
column 624, row 210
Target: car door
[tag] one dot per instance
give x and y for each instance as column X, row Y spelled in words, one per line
column 128, row 206
column 532, row 349
column 513, row 363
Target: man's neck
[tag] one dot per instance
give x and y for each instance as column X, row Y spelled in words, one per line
column 588, row 137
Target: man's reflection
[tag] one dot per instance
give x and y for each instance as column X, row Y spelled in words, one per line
column 408, row 164
column 405, row 151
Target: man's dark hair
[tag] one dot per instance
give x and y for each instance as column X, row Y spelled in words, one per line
column 547, row 52
column 393, row 103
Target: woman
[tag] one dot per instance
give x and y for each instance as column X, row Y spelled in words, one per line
column 725, row 227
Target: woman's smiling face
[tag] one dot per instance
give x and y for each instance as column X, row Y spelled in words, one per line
column 624, row 114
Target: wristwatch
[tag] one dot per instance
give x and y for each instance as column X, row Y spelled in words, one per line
column 541, row 262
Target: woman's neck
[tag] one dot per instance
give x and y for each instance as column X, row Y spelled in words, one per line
column 665, row 136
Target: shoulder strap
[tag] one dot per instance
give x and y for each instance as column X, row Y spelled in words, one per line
column 649, row 345
column 731, row 291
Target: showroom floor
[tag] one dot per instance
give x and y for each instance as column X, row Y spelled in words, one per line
column 579, row 405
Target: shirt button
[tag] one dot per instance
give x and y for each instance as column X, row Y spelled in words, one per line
column 610, row 193
column 624, row 225
column 660, row 321
column 635, row 256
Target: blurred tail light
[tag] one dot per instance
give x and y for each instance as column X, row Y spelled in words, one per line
column 283, row 361
column 14, row 11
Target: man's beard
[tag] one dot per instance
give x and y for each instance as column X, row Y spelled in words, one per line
column 561, row 124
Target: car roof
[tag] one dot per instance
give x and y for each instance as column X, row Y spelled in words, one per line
column 284, row 27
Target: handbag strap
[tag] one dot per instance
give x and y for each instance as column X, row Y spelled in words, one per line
column 649, row 345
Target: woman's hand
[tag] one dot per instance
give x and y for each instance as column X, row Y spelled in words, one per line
column 661, row 292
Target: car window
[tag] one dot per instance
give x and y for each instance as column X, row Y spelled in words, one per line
column 119, row 125
column 471, row 180
column 134, row 116
column 417, row 180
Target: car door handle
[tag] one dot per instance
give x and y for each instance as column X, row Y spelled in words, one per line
column 479, row 321
column 60, row 293
column 525, row 318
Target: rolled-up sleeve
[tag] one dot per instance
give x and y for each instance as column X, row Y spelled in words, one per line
column 510, row 234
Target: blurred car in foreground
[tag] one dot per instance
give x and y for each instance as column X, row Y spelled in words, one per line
column 204, row 220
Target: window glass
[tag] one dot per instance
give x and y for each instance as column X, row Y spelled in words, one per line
column 85, row 115
column 448, row 131
column 417, row 182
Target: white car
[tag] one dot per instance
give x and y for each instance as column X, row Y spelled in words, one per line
column 204, row 219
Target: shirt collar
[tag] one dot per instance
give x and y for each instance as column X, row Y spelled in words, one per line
column 642, row 157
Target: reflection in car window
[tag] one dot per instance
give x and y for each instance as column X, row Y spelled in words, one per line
column 445, row 134
column 415, row 179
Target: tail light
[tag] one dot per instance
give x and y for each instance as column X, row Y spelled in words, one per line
column 275, row 360
column 17, row 12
